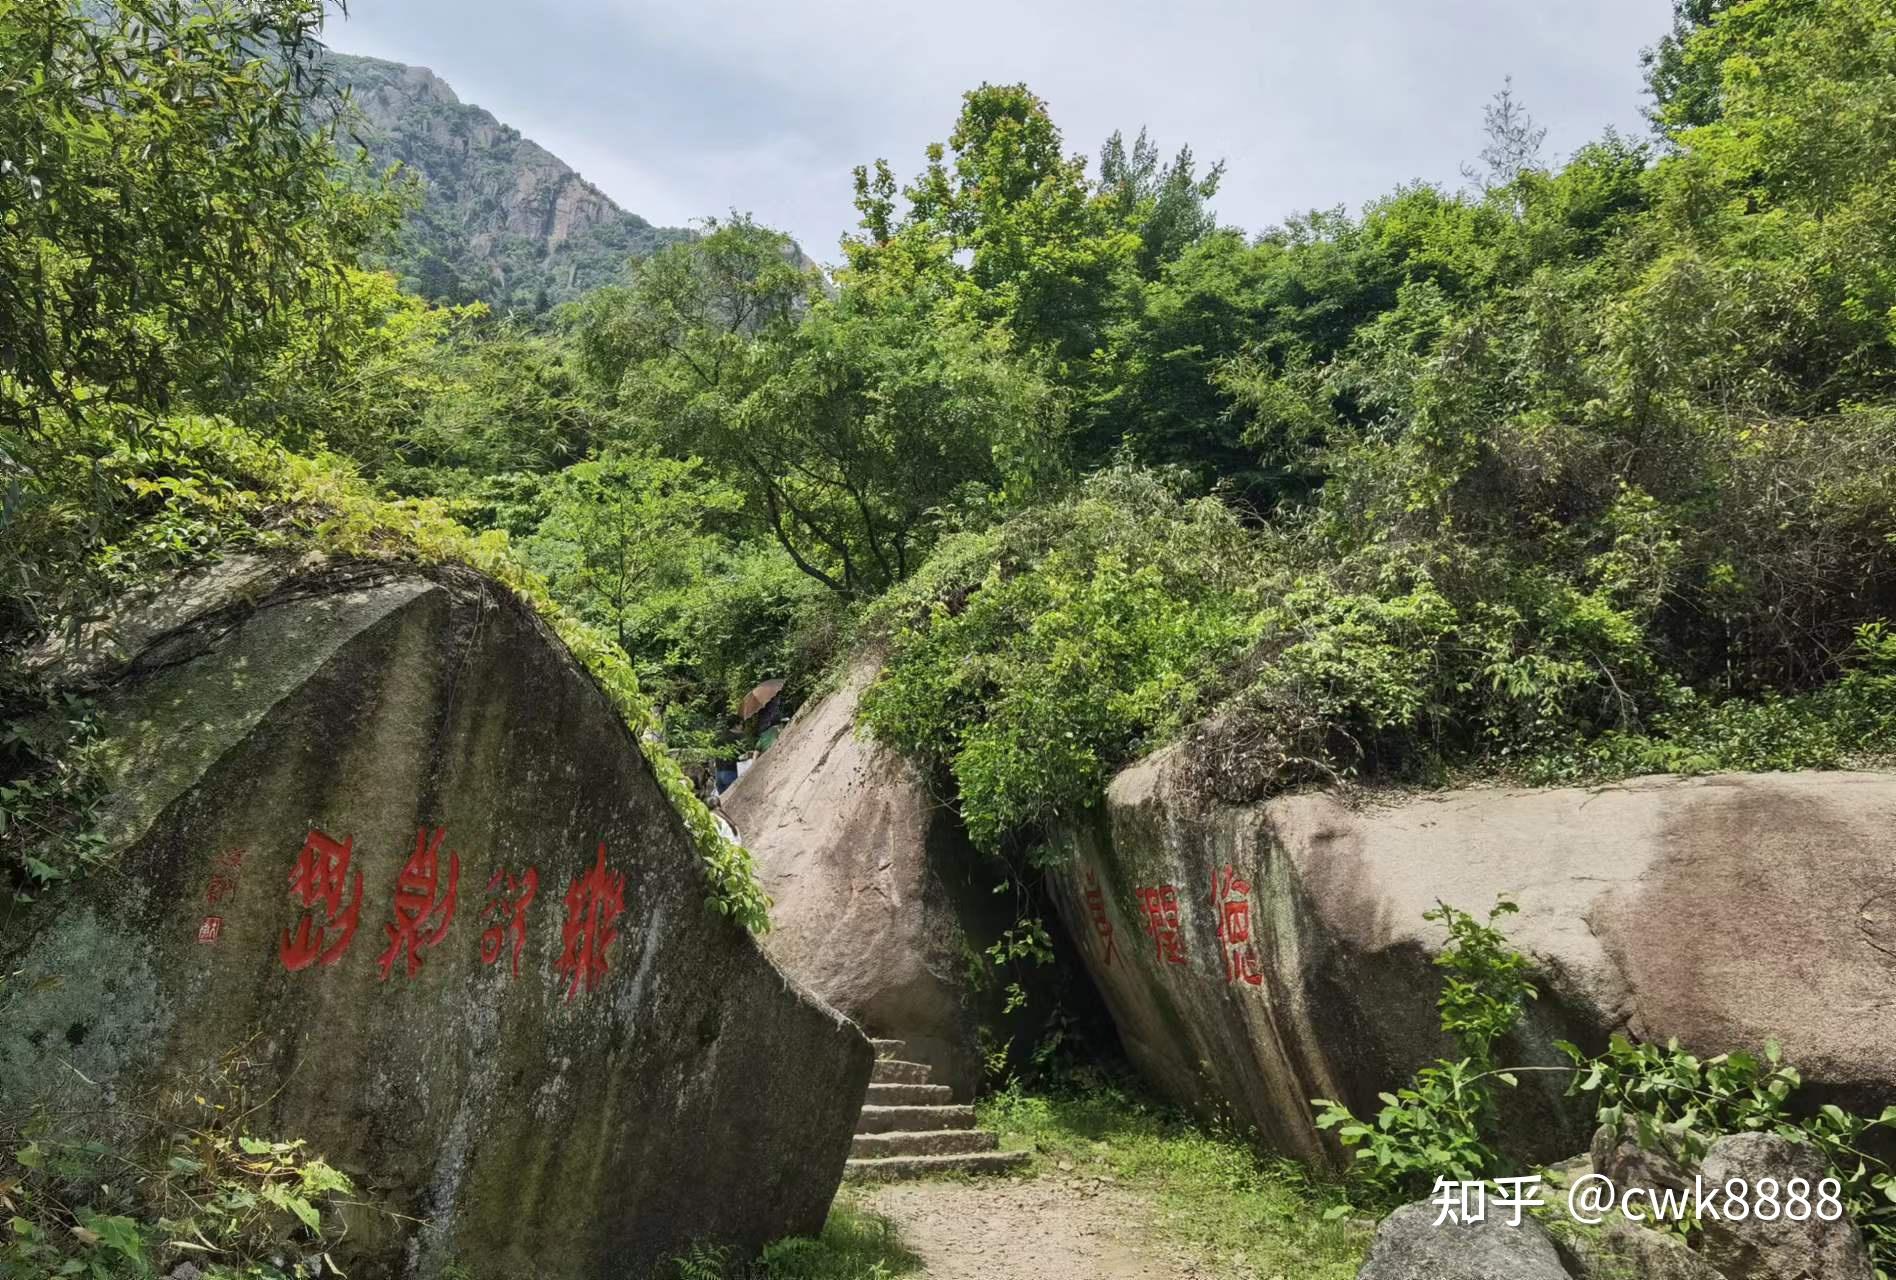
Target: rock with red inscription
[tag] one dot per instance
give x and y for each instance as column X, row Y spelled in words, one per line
column 1257, row 956
column 875, row 905
column 386, row 867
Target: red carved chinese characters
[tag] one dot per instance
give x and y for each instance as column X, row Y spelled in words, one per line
column 1231, row 899
column 1160, row 907
column 595, row 900
column 321, row 875
column 223, row 883
column 419, row 899
column 507, row 910
column 1096, row 911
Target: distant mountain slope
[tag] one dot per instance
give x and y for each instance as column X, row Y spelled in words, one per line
column 502, row 218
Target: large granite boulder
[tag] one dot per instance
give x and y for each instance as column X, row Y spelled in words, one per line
column 1257, row 956
column 875, row 906
column 385, row 862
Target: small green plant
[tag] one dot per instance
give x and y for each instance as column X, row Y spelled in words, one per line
column 1028, row 941
column 1442, row 1123
column 52, row 746
column 704, row 1262
column 1678, row 1102
column 229, row 1203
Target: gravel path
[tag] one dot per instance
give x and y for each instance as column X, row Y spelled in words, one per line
column 1027, row 1229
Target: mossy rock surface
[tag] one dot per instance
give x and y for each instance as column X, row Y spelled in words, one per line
column 558, row 1120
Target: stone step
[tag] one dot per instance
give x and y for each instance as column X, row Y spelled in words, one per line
column 895, row 1071
column 889, row 1048
column 890, row 1168
column 928, row 1142
column 913, row 1119
column 908, row 1095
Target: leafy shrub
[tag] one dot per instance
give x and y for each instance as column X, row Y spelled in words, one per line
column 1851, row 720
column 1031, row 660
column 1442, row 1123
column 1028, row 661
column 1677, row 1102
column 203, row 1192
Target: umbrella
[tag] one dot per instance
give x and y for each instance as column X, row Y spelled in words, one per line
column 759, row 698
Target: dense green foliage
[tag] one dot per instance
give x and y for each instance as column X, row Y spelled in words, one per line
column 166, row 210
column 205, row 1191
column 1582, row 474
column 1034, row 656
column 1585, row 470
column 180, row 244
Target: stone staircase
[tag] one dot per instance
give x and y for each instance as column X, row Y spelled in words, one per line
column 909, row 1129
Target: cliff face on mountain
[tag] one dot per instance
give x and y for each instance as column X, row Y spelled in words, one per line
column 501, row 218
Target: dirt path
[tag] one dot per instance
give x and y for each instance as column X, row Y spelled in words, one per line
column 1026, row 1229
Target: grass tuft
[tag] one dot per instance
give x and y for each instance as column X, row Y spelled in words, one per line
column 854, row 1246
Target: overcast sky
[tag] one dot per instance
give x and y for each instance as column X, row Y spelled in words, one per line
column 678, row 110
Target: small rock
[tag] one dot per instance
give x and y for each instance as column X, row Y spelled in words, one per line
column 1616, row 1249
column 1409, row 1246
column 1619, row 1156
column 1566, row 1171
column 1748, row 1249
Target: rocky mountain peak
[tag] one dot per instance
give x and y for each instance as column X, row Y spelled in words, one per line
column 501, row 218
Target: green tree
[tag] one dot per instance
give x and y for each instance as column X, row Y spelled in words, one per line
column 512, row 402
column 621, row 529
column 1004, row 224
column 682, row 326
column 1514, row 143
column 355, row 370
column 173, row 204
column 867, row 423
column 169, row 193
column 844, row 422
column 1163, row 202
